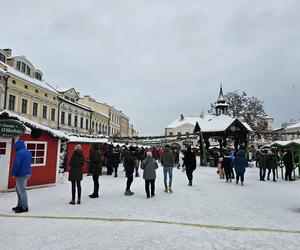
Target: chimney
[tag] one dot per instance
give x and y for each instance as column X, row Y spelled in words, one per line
column 8, row 52
column 181, row 117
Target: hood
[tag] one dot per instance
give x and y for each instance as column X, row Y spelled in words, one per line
column 19, row 145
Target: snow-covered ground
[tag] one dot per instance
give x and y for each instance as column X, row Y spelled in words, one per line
column 210, row 201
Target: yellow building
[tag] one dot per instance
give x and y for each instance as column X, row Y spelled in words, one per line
column 100, row 116
column 26, row 92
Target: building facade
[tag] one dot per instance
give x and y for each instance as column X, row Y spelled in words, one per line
column 124, row 125
column 26, row 93
column 74, row 117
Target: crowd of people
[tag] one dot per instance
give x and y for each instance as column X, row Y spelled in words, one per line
column 230, row 165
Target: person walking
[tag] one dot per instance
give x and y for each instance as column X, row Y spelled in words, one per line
column 96, row 159
column 129, row 165
column 21, row 170
column 149, row 165
column 75, row 176
column 227, row 165
column 271, row 164
column 289, row 165
column 167, row 161
column 262, row 164
column 190, row 164
column 240, row 163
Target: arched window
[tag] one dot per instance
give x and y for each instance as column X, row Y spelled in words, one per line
column 38, row 76
column 2, row 58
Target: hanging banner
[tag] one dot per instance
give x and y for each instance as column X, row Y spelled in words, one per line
column 11, row 128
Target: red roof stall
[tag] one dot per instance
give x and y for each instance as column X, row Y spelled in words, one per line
column 44, row 144
column 85, row 143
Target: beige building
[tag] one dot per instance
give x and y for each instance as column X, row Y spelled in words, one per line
column 290, row 130
column 25, row 91
column 101, row 113
column 124, row 126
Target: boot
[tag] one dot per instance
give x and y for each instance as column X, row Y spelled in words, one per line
column 78, row 201
column 72, row 202
column 242, row 184
column 190, row 183
column 128, row 193
column 92, row 196
column 170, row 190
column 166, row 190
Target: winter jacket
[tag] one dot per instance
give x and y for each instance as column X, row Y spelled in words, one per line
column 129, row 163
column 189, row 160
column 288, row 159
column 77, row 162
column 149, row 165
column 271, row 162
column 97, row 162
column 113, row 159
column 262, row 160
column 240, row 162
column 167, row 159
column 22, row 162
column 227, row 162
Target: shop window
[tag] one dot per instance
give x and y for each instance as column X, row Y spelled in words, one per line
column 38, row 151
column 2, row 148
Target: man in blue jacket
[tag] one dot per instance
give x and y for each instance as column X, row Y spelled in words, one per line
column 21, row 171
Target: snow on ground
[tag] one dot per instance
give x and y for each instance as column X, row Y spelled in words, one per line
column 209, row 201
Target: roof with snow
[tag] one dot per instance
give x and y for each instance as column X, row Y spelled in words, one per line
column 294, row 126
column 290, row 143
column 42, row 84
column 209, row 123
column 31, row 124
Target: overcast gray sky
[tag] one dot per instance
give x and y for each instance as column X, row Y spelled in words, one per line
column 156, row 59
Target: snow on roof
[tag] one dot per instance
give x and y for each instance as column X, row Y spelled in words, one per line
column 77, row 104
column 294, row 126
column 64, row 89
column 286, row 143
column 30, row 123
column 87, row 139
column 42, row 84
column 208, row 123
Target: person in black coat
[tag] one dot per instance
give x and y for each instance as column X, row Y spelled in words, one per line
column 190, row 164
column 75, row 176
column 227, row 165
column 289, row 165
column 271, row 164
column 96, row 161
column 129, row 165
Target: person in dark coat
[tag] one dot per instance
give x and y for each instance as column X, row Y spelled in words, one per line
column 115, row 161
column 109, row 164
column 289, row 165
column 190, row 164
column 167, row 161
column 75, row 176
column 96, row 161
column 262, row 164
column 149, row 165
column 271, row 164
column 240, row 163
column 227, row 165
column 129, row 165
column 21, row 171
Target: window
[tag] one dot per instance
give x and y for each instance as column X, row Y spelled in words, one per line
column 52, row 114
column 170, row 133
column 46, row 94
column 69, row 119
column 28, row 70
column 87, row 123
column 25, row 86
column 62, row 117
column 2, row 58
column 67, row 98
column 93, row 124
column 23, row 67
column 13, row 81
column 54, row 98
column 45, row 112
column 81, row 122
column 38, row 151
column 179, row 133
column 36, row 91
column 24, row 106
column 38, row 76
column 35, row 109
column 18, row 65
column 75, row 121
column 2, row 148
column 72, row 100
column 11, row 102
